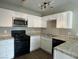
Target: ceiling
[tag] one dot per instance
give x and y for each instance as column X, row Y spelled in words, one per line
column 34, row 4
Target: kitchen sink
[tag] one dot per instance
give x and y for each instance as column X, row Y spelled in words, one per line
column 57, row 42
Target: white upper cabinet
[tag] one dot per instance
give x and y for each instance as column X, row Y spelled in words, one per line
column 50, row 17
column 64, row 20
column 6, row 17
column 44, row 22
column 34, row 21
column 20, row 15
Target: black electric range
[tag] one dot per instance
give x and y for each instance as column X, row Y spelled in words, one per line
column 56, row 42
column 21, row 43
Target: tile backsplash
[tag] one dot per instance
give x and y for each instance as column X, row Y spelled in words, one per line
column 7, row 30
column 33, row 30
column 57, row 31
column 51, row 29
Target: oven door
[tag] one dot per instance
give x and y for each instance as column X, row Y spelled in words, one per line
column 17, row 47
column 22, row 46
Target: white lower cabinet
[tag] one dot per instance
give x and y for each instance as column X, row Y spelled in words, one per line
column 34, row 42
column 43, row 43
column 7, row 49
column 61, row 55
column 46, row 44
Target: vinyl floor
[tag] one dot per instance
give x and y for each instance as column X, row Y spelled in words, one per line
column 37, row 54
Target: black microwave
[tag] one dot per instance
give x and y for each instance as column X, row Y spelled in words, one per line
column 19, row 22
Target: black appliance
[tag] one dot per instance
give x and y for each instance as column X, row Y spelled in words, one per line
column 56, row 42
column 21, row 43
column 19, row 22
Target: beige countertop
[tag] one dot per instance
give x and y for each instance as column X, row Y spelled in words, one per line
column 70, row 47
column 33, row 34
column 5, row 37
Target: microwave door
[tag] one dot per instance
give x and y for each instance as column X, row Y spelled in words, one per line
column 19, row 22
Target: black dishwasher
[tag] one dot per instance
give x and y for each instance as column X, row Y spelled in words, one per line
column 21, row 43
column 57, row 42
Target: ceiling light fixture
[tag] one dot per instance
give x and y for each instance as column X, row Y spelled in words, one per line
column 45, row 4
column 23, row 0
column 22, row 3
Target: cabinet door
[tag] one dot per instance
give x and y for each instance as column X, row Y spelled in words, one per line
column 64, row 20
column 21, row 15
column 6, row 18
column 60, row 55
column 44, row 22
column 30, row 21
column 46, row 44
column 59, row 21
column 7, row 48
column 3, row 52
column 49, row 18
column 37, row 22
column 67, row 19
column 10, row 48
column 34, row 21
column 34, row 43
